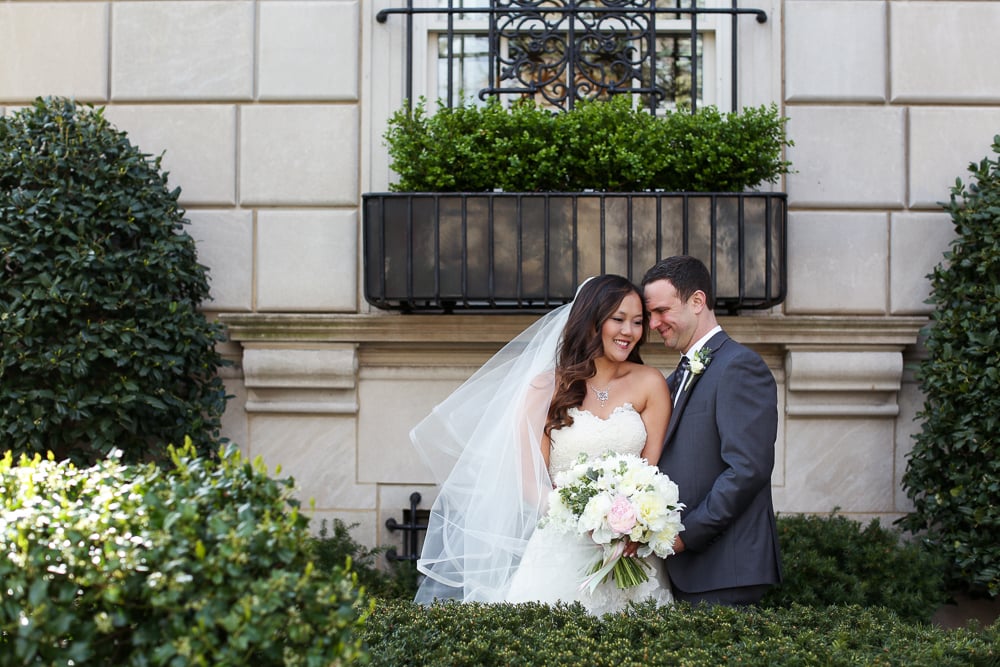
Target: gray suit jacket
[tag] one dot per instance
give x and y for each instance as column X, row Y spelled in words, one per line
column 720, row 451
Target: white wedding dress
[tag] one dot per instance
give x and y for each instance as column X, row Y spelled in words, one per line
column 554, row 563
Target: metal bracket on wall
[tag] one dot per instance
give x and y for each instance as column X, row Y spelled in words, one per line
column 414, row 522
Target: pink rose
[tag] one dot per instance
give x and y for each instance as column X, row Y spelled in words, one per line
column 621, row 516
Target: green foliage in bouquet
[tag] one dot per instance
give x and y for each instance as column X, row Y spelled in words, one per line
column 598, row 145
column 833, row 560
column 953, row 471
column 103, row 344
column 207, row 563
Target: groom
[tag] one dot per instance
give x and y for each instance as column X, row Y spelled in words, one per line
column 719, row 446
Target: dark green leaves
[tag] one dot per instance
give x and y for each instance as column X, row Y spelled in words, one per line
column 103, row 343
column 953, row 473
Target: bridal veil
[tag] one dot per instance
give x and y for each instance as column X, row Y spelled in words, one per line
column 482, row 444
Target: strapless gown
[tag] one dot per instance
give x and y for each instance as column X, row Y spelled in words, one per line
column 554, row 563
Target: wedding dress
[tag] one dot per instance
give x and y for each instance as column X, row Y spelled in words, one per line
column 555, row 563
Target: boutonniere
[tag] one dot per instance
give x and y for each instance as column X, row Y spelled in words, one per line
column 698, row 363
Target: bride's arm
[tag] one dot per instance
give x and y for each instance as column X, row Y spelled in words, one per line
column 533, row 442
column 656, row 414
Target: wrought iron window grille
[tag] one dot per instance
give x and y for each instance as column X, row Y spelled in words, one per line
column 569, row 50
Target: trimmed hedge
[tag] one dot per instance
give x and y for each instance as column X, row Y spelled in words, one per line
column 598, row 145
column 401, row 633
column 102, row 343
column 204, row 564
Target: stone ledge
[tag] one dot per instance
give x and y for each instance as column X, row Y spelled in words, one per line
column 287, row 329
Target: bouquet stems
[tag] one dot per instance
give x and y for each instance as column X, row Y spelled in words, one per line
column 627, row 572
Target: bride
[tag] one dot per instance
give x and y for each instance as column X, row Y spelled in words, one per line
column 573, row 383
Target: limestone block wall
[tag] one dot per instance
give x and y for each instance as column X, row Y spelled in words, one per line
column 888, row 103
column 270, row 113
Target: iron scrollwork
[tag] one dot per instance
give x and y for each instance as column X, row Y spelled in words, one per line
column 565, row 50
column 569, row 50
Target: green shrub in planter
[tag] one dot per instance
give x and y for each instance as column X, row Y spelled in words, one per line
column 205, row 564
column 953, row 472
column 103, row 345
column 837, row 561
column 598, row 145
column 401, row 633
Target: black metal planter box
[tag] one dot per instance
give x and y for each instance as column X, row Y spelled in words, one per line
column 528, row 251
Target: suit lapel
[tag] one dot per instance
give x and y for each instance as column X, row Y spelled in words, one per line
column 713, row 344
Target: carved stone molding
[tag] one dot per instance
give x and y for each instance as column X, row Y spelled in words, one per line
column 833, row 366
column 843, row 383
column 296, row 380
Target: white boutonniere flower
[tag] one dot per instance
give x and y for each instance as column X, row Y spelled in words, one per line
column 697, row 364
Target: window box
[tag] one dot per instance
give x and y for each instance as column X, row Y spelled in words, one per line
column 501, row 251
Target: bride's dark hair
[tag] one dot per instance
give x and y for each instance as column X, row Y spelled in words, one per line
column 582, row 342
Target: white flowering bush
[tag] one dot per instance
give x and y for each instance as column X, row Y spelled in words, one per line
column 204, row 564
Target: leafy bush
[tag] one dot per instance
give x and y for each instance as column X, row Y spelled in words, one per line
column 953, row 472
column 103, row 346
column 331, row 551
column 204, row 564
column 402, row 633
column 835, row 561
column 596, row 146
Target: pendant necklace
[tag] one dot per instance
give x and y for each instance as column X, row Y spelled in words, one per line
column 602, row 394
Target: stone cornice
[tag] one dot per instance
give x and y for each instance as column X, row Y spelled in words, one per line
column 287, row 329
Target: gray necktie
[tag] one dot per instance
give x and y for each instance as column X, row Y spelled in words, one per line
column 675, row 387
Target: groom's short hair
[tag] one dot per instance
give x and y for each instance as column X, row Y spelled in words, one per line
column 687, row 274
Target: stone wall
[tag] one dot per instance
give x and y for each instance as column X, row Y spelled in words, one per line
column 270, row 113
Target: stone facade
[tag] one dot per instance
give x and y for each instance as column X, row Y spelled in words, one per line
column 270, row 113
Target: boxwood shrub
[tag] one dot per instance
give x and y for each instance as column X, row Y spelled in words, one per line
column 834, row 560
column 598, row 145
column 102, row 344
column 401, row 633
column 207, row 563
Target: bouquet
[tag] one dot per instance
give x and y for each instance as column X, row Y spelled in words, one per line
column 616, row 499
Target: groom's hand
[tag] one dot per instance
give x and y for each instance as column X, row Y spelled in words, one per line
column 630, row 548
column 678, row 545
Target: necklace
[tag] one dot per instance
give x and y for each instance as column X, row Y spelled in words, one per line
column 602, row 394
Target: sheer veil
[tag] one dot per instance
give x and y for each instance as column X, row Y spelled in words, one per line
column 482, row 444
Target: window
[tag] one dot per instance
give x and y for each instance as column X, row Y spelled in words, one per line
column 668, row 55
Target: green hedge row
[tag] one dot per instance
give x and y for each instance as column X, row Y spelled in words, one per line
column 402, row 633
column 598, row 145
column 828, row 560
column 205, row 564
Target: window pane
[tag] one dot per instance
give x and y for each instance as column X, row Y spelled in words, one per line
column 600, row 63
column 673, row 70
column 469, row 67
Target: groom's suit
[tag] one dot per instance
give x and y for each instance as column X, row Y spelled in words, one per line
column 719, row 450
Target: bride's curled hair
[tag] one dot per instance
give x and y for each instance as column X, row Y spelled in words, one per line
column 582, row 343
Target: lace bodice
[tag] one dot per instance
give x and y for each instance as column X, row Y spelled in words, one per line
column 622, row 432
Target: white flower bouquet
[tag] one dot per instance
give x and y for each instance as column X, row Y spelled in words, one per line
column 616, row 499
